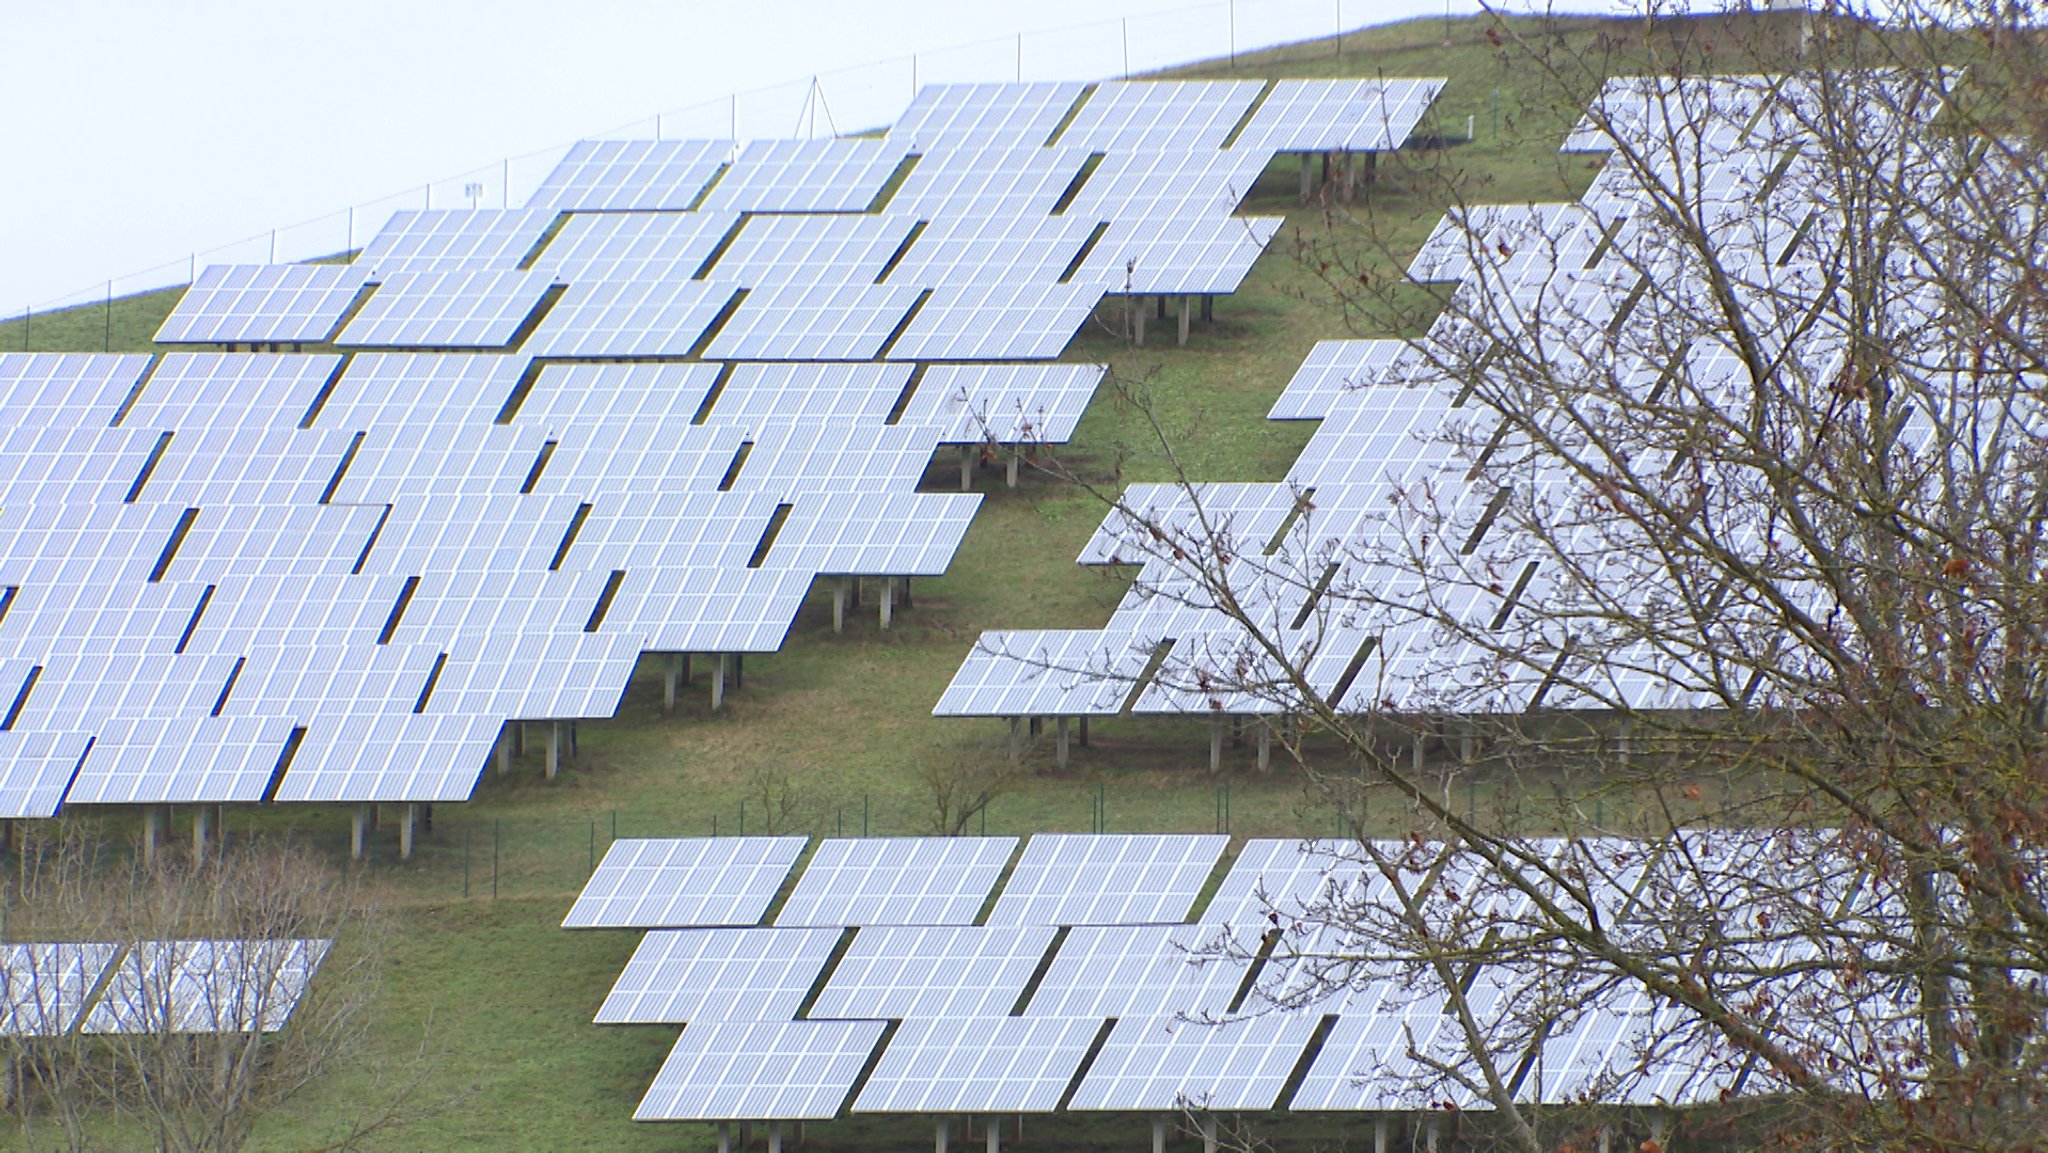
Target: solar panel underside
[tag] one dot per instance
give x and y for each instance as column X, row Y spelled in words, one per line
column 967, row 1065
column 760, row 1070
column 897, row 881
column 650, row 884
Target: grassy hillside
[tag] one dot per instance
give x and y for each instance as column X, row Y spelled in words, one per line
column 841, row 723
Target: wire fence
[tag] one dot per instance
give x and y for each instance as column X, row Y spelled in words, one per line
column 837, row 103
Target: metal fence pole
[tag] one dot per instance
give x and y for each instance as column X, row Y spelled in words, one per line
column 494, row 857
column 465, row 863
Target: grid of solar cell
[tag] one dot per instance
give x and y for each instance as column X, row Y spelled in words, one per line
column 899, row 534
column 996, row 322
column 1008, row 404
column 629, row 318
column 262, row 303
column 697, row 975
column 655, row 884
column 813, row 322
column 1156, row 116
column 760, row 1070
column 897, row 972
column 945, row 117
column 1074, row 879
column 829, row 249
column 599, row 246
column 897, row 881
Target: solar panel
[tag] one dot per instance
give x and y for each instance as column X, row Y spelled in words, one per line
column 1104, row 971
column 1047, row 673
column 962, row 247
column 36, row 768
column 465, row 309
column 805, row 176
column 996, row 322
column 634, row 245
column 606, row 398
column 768, row 1071
column 1335, row 369
column 881, row 534
column 448, row 240
column 947, row 117
column 698, row 975
column 629, row 318
column 1177, row 257
column 648, row 884
column 206, row 986
column 812, row 322
column 44, row 987
column 1006, row 403
column 1157, row 115
column 1337, row 115
column 811, row 249
column 274, row 302
column 910, row 971
column 897, row 881
column 987, row 184
column 759, row 395
column 1171, row 1064
column 989, row 1065
column 1076, row 879
column 1285, row 877
column 631, row 175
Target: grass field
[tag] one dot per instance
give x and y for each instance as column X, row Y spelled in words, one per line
column 503, row 997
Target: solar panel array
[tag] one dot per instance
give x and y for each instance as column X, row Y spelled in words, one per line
column 185, row 986
column 1300, row 970
column 456, row 519
column 1376, row 561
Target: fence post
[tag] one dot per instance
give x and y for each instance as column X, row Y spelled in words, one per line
column 494, row 858
column 465, row 863
column 863, row 814
column 743, row 816
column 615, row 824
column 593, row 848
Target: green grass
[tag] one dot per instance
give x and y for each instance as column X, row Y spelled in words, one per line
column 504, row 997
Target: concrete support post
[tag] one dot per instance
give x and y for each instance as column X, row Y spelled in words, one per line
column 554, row 748
column 1016, row 456
column 504, row 749
column 994, row 1129
column 202, row 817
column 1379, row 1135
column 1265, row 747
column 1208, row 1133
column 1661, row 1125
column 1084, row 732
column 152, row 832
column 1016, row 737
column 1158, row 1135
column 966, row 468
column 724, row 1137
column 1060, row 753
column 839, row 605
column 357, row 825
column 673, row 666
column 718, row 684
column 888, row 601
column 1418, row 759
column 1624, row 743
column 405, row 830
column 1307, row 179
column 1429, row 1134
column 1468, row 743
column 1604, row 1139
column 1186, row 302
column 774, row 1137
column 1216, row 743
column 941, row 1129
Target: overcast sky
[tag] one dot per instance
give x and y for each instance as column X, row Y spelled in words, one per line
column 139, row 132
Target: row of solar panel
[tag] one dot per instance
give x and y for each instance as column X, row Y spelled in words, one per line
column 998, row 1012
column 1323, row 550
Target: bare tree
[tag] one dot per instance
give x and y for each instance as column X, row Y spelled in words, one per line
column 961, row 785
column 1703, row 528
